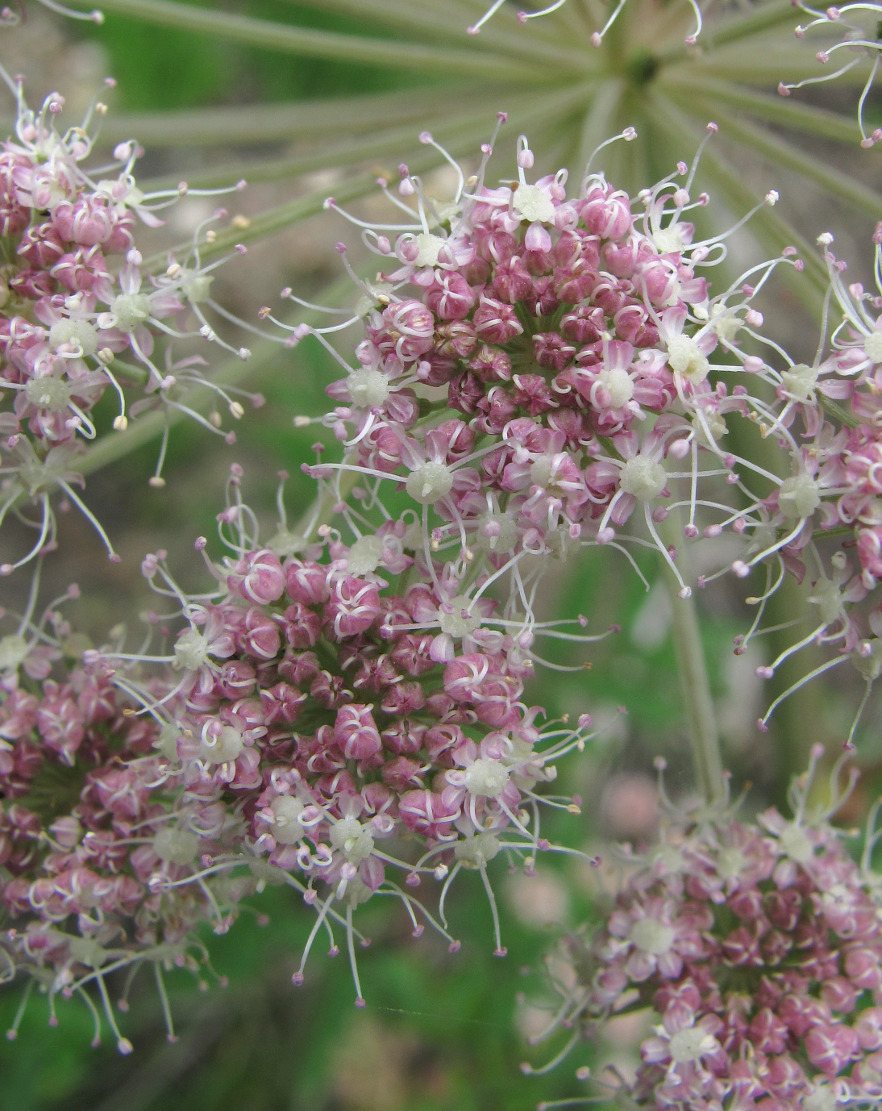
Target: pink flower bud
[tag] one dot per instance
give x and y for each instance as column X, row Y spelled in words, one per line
column 306, row 582
column 496, row 322
column 353, row 607
column 862, row 968
column 427, row 813
column 258, row 578
column 259, row 635
column 830, row 1048
column 356, row 732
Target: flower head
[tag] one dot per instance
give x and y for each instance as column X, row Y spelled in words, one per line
column 79, row 314
column 342, row 729
column 757, row 948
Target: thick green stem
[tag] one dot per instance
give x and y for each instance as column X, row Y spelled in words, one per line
column 697, row 702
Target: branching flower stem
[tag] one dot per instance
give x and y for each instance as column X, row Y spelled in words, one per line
column 698, row 706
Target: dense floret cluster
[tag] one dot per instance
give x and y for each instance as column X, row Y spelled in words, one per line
column 575, row 338
column 79, row 312
column 540, row 371
column 346, row 702
column 347, row 725
column 93, row 836
column 758, row 949
column 604, row 396
column 314, row 728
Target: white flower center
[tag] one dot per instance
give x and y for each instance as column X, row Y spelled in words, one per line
column 364, row 555
column 13, row 650
column 352, row 839
column 460, row 621
column 75, row 333
column 367, row 388
column 176, row 846
column 731, row 863
column 800, row 381
column 541, row 471
column 429, row 482
column 690, row 1045
column 191, row 650
column 796, row 844
column 642, row 478
column 652, row 936
column 725, row 323
column 497, row 532
column 668, row 240
column 798, row 496
column 130, row 310
column 486, row 778
column 223, row 748
column 287, row 829
column 196, row 287
column 477, row 851
column 686, row 358
column 533, row 204
column 428, row 247
column 51, row 394
column 617, row 381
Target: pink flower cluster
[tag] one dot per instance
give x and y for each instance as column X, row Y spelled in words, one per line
column 346, row 726
column 575, row 339
column 759, row 949
column 313, row 725
column 79, row 315
column 92, row 837
column 826, row 421
column 594, row 377
column 344, row 708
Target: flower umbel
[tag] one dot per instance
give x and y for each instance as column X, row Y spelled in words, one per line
column 78, row 313
column 757, row 948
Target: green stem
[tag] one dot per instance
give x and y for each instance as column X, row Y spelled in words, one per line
column 697, row 701
column 439, row 21
column 468, row 126
column 744, row 26
column 286, row 122
column 821, row 123
column 306, row 42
